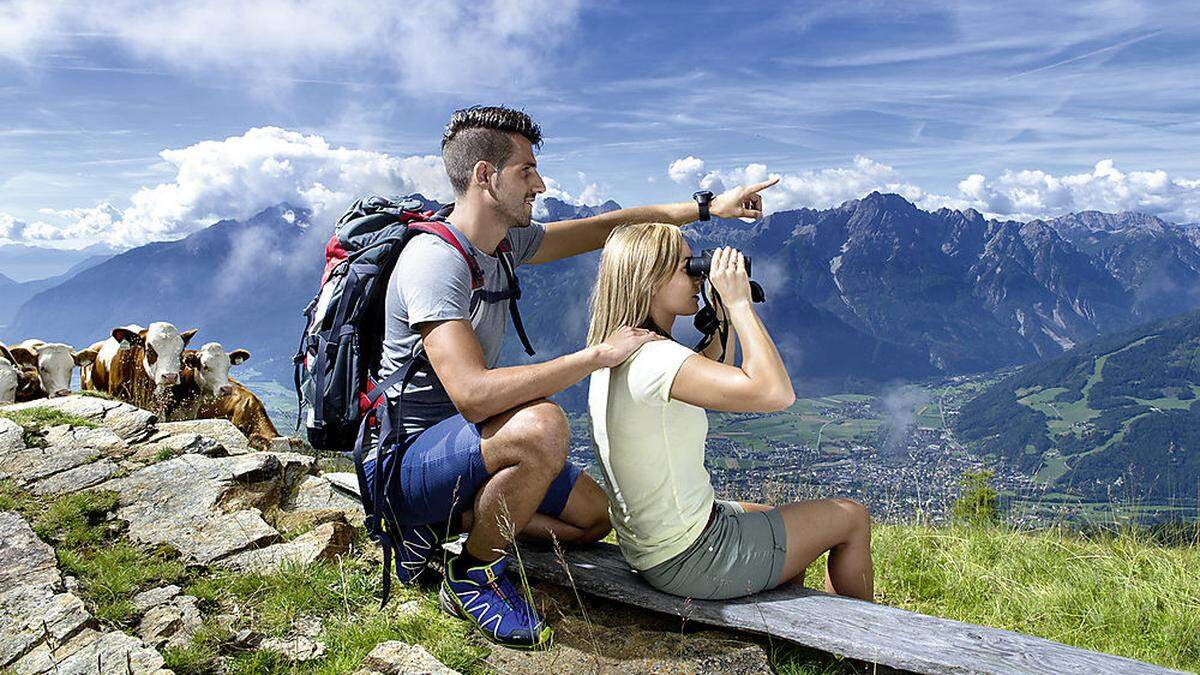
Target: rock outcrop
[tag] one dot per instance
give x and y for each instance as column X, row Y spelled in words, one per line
column 206, row 508
column 129, row 422
column 46, row 629
column 396, row 658
column 199, row 489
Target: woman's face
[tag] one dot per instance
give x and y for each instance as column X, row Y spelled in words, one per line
column 680, row 296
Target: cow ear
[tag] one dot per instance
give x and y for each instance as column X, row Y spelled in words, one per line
column 23, row 356
column 187, row 335
column 128, row 338
column 85, row 357
column 28, row 377
column 238, row 357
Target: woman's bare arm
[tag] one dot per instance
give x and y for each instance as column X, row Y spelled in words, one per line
column 761, row 383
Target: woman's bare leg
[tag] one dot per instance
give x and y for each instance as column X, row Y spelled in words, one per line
column 840, row 526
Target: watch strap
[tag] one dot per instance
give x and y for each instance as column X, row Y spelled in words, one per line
column 703, row 198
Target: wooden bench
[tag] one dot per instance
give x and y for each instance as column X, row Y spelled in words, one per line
column 851, row 628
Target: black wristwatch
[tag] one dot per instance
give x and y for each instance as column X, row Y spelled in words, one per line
column 703, row 198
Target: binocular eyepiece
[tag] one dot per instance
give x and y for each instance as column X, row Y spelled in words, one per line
column 701, row 265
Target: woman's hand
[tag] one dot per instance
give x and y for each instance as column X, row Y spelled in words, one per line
column 727, row 274
column 623, row 342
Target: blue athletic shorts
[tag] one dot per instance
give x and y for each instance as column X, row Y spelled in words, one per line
column 443, row 469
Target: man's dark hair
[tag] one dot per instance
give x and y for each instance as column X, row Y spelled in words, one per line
column 481, row 133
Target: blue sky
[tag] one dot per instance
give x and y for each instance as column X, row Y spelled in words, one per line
column 140, row 121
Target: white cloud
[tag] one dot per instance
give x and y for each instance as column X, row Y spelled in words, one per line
column 241, row 175
column 817, row 189
column 1023, row 195
column 686, row 171
column 10, row 227
column 592, row 194
column 1038, row 194
column 422, row 44
column 80, row 224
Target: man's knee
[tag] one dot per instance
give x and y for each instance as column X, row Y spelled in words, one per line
column 596, row 531
column 541, row 429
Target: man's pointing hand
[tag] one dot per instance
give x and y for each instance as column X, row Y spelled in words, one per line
column 743, row 201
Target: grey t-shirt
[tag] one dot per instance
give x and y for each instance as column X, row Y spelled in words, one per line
column 432, row 282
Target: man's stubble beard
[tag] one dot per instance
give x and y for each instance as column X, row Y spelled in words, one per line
column 523, row 217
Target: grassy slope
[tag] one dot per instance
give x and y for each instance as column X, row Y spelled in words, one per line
column 1121, row 593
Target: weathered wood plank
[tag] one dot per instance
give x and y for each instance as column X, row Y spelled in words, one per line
column 860, row 630
column 852, row 628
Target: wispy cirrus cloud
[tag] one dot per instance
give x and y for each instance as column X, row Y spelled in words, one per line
column 424, row 45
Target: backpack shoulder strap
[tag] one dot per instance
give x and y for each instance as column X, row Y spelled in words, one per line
column 441, row 231
column 504, row 251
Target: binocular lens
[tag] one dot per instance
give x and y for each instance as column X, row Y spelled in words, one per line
column 701, row 265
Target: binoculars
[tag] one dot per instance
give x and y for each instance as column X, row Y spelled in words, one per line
column 701, row 265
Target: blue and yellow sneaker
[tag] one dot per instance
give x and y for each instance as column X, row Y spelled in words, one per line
column 415, row 547
column 487, row 598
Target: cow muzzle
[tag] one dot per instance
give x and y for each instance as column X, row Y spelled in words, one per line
column 60, row 392
column 170, row 378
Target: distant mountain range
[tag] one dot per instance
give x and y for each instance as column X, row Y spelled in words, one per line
column 23, row 263
column 1115, row 419
column 13, row 294
column 872, row 291
column 243, row 284
column 877, row 290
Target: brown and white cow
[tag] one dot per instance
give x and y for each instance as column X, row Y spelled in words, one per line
column 52, row 365
column 205, row 377
column 139, row 365
column 10, row 377
column 247, row 413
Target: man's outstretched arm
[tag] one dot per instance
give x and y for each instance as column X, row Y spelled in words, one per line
column 572, row 237
column 479, row 392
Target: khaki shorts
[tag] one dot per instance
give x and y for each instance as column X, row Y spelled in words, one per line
column 737, row 554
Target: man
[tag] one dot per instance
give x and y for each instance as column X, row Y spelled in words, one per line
column 484, row 443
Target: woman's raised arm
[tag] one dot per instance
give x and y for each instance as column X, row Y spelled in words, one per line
column 761, row 384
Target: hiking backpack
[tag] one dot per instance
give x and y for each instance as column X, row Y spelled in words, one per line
column 338, row 392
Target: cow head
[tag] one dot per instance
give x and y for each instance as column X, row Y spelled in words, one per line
column 9, row 375
column 210, row 367
column 53, row 362
column 162, row 349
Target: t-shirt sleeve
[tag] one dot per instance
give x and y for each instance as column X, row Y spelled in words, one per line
column 434, row 282
column 526, row 240
column 652, row 370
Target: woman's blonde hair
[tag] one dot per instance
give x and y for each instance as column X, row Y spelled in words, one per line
column 636, row 262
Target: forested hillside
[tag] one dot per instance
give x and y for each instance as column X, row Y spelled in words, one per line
column 1113, row 419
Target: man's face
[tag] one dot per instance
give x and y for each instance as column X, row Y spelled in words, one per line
column 518, row 184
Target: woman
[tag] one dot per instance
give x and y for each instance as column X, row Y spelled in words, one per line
column 649, row 425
